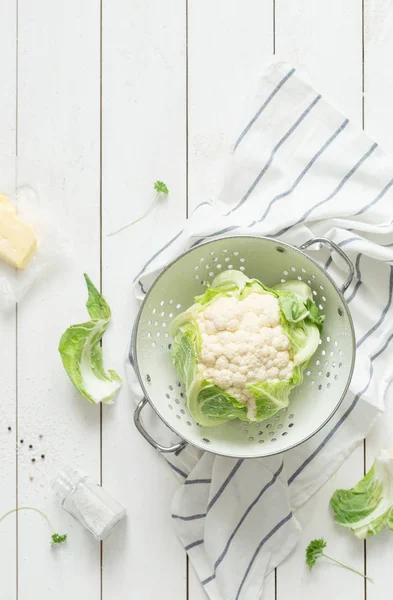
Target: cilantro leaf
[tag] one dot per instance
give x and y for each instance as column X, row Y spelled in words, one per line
column 57, row 538
column 161, row 190
column 160, row 187
column 315, row 549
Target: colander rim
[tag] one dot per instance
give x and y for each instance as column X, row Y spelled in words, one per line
column 134, row 352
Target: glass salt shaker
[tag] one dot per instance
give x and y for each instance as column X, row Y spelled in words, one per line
column 88, row 503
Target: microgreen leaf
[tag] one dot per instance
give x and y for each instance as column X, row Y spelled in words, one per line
column 57, row 538
column 160, row 187
column 315, row 549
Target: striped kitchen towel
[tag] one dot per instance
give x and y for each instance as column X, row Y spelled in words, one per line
column 299, row 170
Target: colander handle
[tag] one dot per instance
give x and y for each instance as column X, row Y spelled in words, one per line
column 142, row 430
column 344, row 256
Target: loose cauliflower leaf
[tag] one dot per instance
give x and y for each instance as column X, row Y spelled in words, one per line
column 368, row 507
column 242, row 347
column 81, row 352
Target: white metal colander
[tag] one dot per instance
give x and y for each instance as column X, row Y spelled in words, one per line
column 326, row 379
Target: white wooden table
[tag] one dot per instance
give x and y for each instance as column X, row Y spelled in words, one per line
column 98, row 101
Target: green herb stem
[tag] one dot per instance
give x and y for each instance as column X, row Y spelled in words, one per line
column 14, row 510
column 145, row 214
column 346, row 567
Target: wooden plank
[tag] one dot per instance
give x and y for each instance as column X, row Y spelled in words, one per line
column 378, row 78
column 227, row 46
column 378, row 97
column 305, row 31
column 325, row 40
column 326, row 580
column 144, row 139
column 58, row 154
column 379, row 547
column 8, row 439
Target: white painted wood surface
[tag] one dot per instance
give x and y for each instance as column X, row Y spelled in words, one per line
column 97, row 102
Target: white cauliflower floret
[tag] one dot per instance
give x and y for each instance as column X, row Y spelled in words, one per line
column 222, row 363
column 281, row 360
column 243, row 342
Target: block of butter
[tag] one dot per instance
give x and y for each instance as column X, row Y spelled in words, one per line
column 18, row 241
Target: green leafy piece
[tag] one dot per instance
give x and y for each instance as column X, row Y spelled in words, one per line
column 96, row 304
column 56, row 538
column 211, row 294
column 211, row 406
column 295, row 298
column 315, row 550
column 185, row 351
column 293, row 309
column 368, row 507
column 304, row 338
column 81, row 352
column 230, row 279
column 270, row 397
column 160, row 187
column 313, row 315
column 296, row 287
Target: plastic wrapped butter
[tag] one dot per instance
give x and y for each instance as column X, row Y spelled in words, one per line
column 18, row 241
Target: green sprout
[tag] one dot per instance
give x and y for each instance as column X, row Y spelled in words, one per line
column 56, row 537
column 315, row 549
column 162, row 190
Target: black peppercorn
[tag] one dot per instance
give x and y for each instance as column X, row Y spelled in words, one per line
column 33, row 460
column 42, row 455
column 9, row 428
column 30, row 446
column 21, row 441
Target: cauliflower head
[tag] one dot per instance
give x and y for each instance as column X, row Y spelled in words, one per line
column 242, row 347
